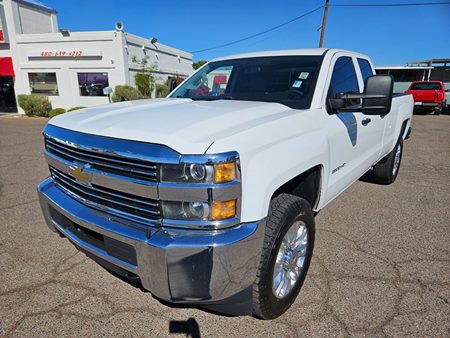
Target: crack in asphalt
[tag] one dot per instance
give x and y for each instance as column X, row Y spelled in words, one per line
column 18, row 205
column 90, row 292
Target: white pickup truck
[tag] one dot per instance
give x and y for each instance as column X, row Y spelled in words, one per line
column 208, row 196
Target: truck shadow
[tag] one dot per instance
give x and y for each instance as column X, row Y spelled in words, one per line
column 189, row 327
column 135, row 282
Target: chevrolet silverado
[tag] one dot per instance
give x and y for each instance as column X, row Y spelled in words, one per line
column 208, row 196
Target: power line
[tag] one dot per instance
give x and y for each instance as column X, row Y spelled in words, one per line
column 315, row 10
column 260, row 33
column 322, row 33
column 392, row 5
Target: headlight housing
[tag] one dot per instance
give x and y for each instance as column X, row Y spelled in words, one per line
column 201, row 191
column 199, row 211
column 199, row 172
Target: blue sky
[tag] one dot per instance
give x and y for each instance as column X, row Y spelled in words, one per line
column 391, row 36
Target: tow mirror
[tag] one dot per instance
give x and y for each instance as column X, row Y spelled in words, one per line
column 376, row 99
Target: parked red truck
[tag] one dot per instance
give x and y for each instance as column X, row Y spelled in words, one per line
column 428, row 95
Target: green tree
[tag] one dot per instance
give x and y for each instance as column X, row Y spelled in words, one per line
column 144, row 78
column 198, row 64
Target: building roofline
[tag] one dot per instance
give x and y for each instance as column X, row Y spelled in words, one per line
column 37, row 5
column 139, row 40
column 442, row 60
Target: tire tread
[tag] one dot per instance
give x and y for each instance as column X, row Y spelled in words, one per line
column 279, row 212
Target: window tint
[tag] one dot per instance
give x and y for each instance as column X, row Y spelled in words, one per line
column 365, row 68
column 43, row 83
column 343, row 79
column 426, row 86
column 92, row 84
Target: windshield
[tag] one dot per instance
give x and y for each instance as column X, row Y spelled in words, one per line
column 289, row 80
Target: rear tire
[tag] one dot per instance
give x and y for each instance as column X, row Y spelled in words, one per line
column 287, row 213
column 386, row 171
column 438, row 110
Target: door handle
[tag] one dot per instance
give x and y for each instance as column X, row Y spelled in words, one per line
column 366, row 121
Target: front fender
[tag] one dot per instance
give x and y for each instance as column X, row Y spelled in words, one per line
column 264, row 172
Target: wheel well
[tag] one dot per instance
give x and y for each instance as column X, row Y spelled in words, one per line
column 306, row 185
column 403, row 131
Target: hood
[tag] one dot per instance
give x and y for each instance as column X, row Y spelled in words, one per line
column 184, row 125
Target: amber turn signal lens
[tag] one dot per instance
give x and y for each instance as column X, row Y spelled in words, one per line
column 224, row 172
column 223, row 210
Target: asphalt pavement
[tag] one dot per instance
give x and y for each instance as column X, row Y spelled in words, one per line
column 381, row 265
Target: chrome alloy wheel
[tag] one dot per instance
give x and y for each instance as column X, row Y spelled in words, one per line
column 398, row 155
column 290, row 259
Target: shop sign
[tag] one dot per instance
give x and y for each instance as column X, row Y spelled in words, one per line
column 64, row 54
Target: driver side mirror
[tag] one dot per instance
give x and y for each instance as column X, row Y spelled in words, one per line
column 376, row 99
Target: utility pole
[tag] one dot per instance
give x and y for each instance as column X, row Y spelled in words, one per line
column 324, row 22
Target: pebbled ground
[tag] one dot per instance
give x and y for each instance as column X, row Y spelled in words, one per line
column 381, row 266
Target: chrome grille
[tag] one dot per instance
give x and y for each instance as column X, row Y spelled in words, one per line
column 112, row 201
column 104, row 161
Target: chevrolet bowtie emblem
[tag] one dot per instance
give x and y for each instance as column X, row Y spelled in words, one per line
column 80, row 175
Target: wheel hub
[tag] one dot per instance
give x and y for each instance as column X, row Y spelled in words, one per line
column 290, row 259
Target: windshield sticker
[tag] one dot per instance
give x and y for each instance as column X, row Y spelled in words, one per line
column 303, row 75
column 297, row 84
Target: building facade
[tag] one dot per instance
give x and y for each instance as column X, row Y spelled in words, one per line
column 72, row 68
column 426, row 70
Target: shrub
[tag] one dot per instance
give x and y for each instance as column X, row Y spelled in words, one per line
column 125, row 93
column 75, row 108
column 34, row 105
column 144, row 78
column 162, row 90
column 56, row 111
column 143, row 83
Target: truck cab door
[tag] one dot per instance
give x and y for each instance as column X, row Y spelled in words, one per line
column 373, row 126
column 353, row 143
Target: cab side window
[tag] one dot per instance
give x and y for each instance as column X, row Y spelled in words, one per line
column 366, row 69
column 343, row 78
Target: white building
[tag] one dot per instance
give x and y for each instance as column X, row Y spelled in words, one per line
column 72, row 68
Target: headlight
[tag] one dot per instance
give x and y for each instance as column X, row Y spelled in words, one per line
column 202, row 189
column 198, row 173
column 199, row 211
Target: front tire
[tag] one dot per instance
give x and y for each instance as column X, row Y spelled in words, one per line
column 286, row 255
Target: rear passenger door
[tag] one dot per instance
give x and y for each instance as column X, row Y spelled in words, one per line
column 372, row 137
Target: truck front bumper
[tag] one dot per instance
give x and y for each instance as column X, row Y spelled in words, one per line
column 215, row 269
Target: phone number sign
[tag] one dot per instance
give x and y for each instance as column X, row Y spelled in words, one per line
column 62, row 53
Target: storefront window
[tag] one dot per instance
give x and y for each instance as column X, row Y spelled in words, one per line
column 92, row 84
column 43, row 83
